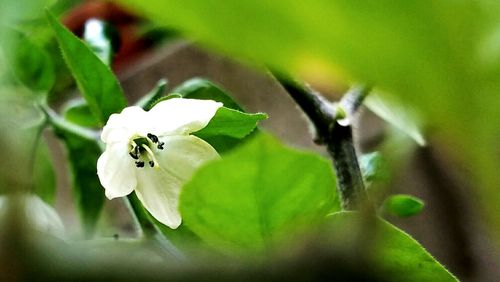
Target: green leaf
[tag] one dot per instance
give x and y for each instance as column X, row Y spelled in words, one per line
column 29, row 63
column 402, row 117
column 398, row 256
column 232, row 123
column 257, row 194
column 148, row 100
column 87, row 190
column 164, row 98
column 44, row 179
column 374, row 168
column 440, row 56
column 199, row 88
column 78, row 112
column 97, row 83
column 224, row 144
column 403, row 205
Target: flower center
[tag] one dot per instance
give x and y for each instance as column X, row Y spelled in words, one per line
column 140, row 150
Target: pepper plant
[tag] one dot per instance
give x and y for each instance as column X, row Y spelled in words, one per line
column 211, row 195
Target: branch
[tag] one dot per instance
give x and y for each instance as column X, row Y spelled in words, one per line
column 336, row 135
column 353, row 99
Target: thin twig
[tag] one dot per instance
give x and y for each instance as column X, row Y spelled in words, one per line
column 354, row 98
column 149, row 229
column 336, row 137
column 61, row 124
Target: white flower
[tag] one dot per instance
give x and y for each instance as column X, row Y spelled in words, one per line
column 153, row 153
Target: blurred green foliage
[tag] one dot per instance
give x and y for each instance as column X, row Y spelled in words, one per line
column 440, row 56
column 44, row 179
column 19, row 121
column 400, row 115
column 28, row 62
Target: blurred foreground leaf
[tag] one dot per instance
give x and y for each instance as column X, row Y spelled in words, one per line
column 403, row 205
column 258, row 194
column 97, row 83
column 19, row 118
column 391, row 110
column 440, row 56
column 398, row 256
column 36, row 214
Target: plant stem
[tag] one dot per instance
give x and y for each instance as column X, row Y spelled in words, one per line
column 337, row 138
column 351, row 187
column 58, row 122
column 149, row 229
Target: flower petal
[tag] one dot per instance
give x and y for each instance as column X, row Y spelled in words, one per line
column 184, row 154
column 121, row 127
column 159, row 189
column 159, row 193
column 182, row 116
column 116, row 170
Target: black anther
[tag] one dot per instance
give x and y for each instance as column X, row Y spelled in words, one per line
column 151, row 163
column 139, row 164
column 134, row 156
column 160, row 145
column 153, row 137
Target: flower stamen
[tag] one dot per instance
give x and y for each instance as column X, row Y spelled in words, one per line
column 151, row 156
column 141, row 145
column 153, row 138
column 160, row 145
